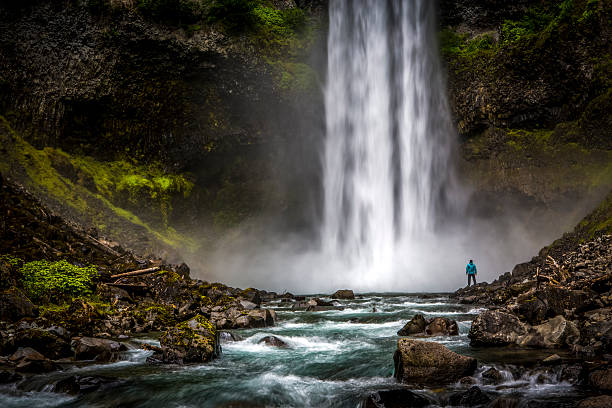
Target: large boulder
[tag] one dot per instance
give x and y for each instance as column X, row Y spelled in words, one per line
column 602, row 401
column 441, row 326
column 15, row 305
column 601, row 379
column 397, row 398
column 550, row 334
column 28, row 360
column 53, row 341
column 496, row 328
column 273, row 341
column 427, row 363
column 415, row 326
column 101, row 350
column 193, row 341
column 343, row 294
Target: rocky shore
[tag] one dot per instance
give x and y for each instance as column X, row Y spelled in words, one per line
column 560, row 300
column 53, row 314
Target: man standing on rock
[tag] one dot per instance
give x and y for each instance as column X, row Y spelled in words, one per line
column 470, row 271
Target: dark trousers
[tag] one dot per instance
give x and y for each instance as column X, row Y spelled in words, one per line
column 471, row 276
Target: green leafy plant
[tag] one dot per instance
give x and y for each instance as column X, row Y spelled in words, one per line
column 46, row 281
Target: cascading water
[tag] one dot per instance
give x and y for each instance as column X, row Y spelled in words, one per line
column 389, row 135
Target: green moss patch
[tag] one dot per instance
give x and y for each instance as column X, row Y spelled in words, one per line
column 45, row 281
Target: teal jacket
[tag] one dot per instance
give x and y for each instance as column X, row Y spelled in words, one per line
column 470, row 269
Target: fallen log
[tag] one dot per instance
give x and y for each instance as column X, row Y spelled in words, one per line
column 136, row 273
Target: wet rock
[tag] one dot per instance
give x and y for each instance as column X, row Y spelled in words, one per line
column 28, row 360
column 427, row 363
column 552, row 359
column 226, row 336
column 415, row 326
column 193, row 341
column 496, row 328
column 15, row 305
column 312, row 308
column 473, row 397
column 101, row 350
column 77, row 384
column 7, row 377
column 492, row 377
column 602, row 401
column 273, row 341
column 601, row 379
column 441, row 326
column 504, row 402
column 343, row 294
column 398, row 398
column 319, row 302
column 467, row 381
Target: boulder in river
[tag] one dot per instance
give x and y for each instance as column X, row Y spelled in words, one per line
column 473, row 397
column 28, row 360
column 492, row 376
column 439, row 326
column 428, row 363
column 92, row 348
column 415, row 326
column 193, row 341
column 397, row 398
column 552, row 333
column 343, row 294
column 274, row 342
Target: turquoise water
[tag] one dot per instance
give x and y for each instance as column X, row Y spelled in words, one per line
column 334, row 359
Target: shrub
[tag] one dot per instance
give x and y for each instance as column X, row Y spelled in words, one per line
column 45, row 281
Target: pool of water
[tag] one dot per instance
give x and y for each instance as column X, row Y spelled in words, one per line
column 334, row 359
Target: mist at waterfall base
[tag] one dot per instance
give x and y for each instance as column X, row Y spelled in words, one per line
column 394, row 214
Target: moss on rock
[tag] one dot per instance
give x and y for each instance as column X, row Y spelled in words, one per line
column 192, row 341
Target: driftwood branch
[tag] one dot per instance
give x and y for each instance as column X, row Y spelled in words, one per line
column 101, row 246
column 136, row 273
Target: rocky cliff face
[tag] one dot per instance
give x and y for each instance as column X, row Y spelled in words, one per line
column 530, row 88
column 185, row 90
column 161, row 121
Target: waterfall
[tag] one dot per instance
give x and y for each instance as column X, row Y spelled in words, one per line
column 389, row 135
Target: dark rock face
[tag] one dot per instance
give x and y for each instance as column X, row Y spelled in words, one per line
column 273, row 341
column 398, row 398
column 193, row 341
column 89, row 348
column 53, row 342
column 474, row 397
column 28, row 360
column 15, row 305
column 426, row 363
column 343, row 294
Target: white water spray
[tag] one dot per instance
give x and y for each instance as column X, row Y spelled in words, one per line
column 389, row 136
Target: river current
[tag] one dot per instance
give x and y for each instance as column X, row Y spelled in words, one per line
column 334, row 359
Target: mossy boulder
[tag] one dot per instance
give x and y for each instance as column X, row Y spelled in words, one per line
column 193, row 341
column 428, row 363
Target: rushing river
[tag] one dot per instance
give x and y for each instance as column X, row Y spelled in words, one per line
column 335, row 359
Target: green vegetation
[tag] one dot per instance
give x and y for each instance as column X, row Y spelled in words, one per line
column 12, row 260
column 46, row 281
column 97, row 189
